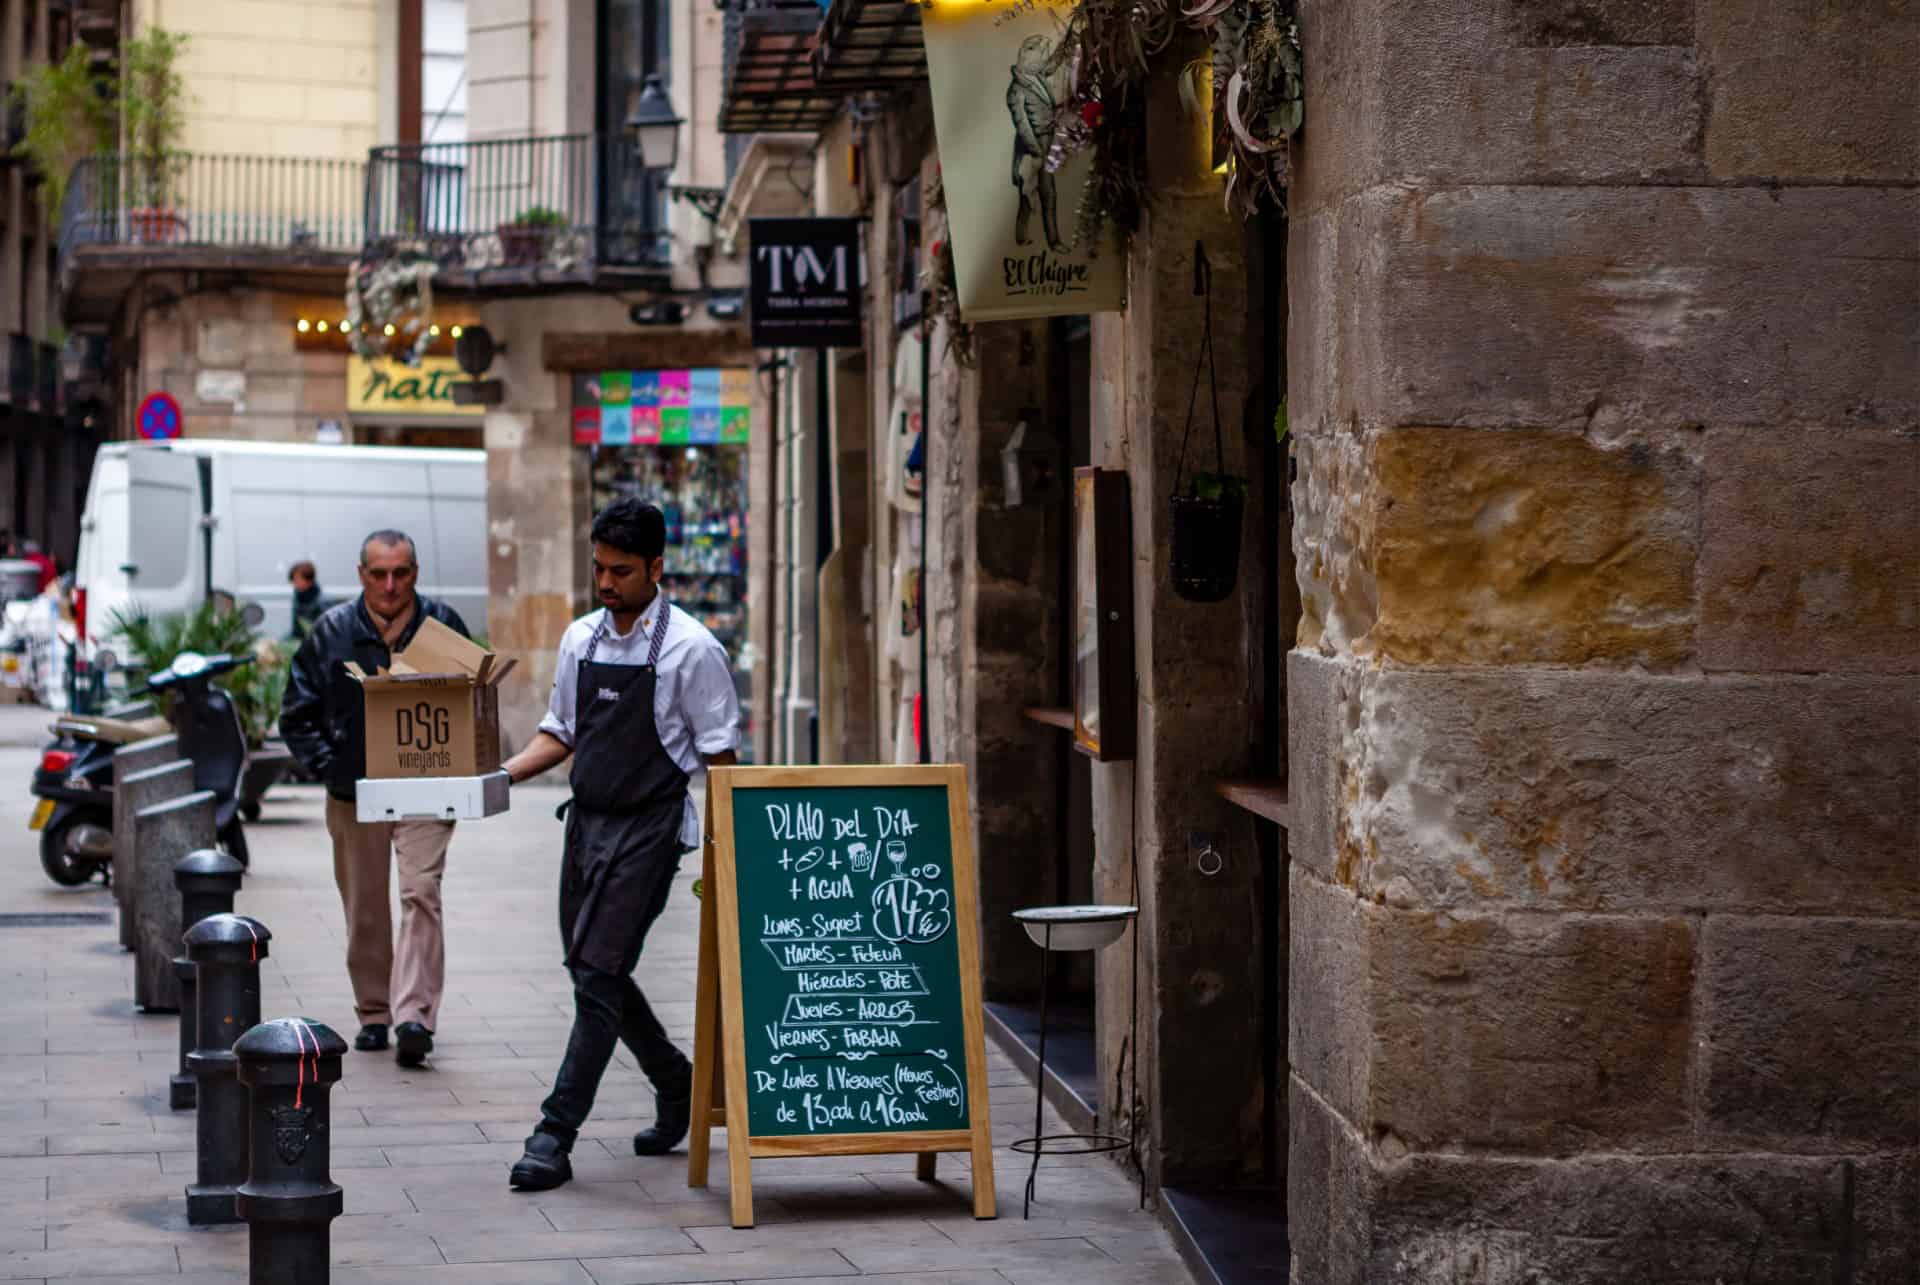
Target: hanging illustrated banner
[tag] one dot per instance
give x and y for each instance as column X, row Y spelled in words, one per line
column 1013, row 223
column 806, row 283
column 711, row 407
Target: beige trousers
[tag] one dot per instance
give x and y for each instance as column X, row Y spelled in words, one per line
column 391, row 983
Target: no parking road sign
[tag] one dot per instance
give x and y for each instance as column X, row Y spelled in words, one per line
column 158, row 417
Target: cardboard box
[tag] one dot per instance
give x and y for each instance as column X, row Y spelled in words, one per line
column 440, row 798
column 436, row 710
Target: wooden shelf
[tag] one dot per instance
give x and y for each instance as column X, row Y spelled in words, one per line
column 1266, row 799
column 1050, row 715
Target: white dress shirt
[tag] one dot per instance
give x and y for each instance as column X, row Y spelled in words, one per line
column 695, row 706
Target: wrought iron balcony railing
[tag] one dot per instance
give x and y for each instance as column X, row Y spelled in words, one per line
column 523, row 208
column 187, row 202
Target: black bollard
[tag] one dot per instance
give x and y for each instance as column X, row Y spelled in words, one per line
column 226, row 950
column 289, row 1065
column 207, row 880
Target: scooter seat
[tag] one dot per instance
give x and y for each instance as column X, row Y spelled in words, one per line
column 113, row 731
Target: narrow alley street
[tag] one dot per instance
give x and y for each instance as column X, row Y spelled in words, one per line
column 92, row 1163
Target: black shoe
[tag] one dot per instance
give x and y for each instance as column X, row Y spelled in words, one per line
column 544, row 1166
column 371, row 1039
column 672, row 1113
column 413, row 1042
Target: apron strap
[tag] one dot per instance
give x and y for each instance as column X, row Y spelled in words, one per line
column 653, row 651
column 659, row 633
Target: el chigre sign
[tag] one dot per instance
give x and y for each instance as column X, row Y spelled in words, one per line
column 385, row 387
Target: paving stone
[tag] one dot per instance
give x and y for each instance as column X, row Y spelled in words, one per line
column 750, row 1265
column 1064, row 1253
column 522, row 1246
column 843, row 1236
column 55, row 1263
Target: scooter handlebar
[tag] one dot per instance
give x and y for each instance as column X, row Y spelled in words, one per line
column 206, row 668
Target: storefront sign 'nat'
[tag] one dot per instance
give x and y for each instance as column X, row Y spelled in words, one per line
column 396, row 390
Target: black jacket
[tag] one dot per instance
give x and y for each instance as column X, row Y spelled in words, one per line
column 322, row 716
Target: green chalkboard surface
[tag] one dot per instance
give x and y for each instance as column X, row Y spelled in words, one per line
column 852, row 1003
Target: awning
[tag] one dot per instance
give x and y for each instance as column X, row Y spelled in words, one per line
column 769, row 71
column 870, row 44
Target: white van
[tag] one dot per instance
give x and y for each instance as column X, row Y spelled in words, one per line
column 167, row 524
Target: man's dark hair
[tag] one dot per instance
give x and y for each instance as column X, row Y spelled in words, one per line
column 390, row 538
column 632, row 527
column 299, row 569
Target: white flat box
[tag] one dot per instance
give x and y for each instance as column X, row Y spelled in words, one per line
column 432, row 798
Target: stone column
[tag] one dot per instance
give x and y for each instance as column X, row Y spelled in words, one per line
column 1605, row 906
column 129, row 761
column 163, row 834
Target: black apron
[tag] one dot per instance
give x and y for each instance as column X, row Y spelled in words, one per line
column 623, row 827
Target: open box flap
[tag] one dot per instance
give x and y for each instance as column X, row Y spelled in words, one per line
column 436, row 649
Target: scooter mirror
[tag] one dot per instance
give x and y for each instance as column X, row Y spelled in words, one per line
column 105, row 661
column 253, row 613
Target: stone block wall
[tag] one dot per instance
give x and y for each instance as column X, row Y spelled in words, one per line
column 1605, row 921
column 177, row 334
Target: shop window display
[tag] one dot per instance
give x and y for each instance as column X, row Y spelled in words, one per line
column 676, row 439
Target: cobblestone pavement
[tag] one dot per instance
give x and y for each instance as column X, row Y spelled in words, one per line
column 93, row 1164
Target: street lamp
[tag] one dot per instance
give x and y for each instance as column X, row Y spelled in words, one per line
column 655, row 126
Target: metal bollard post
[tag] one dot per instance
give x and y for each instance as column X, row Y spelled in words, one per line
column 289, row 1065
column 226, row 950
column 208, row 880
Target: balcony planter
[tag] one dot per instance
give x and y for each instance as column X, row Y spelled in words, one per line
column 155, row 225
column 523, row 242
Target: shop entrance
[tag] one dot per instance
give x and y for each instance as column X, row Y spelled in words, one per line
column 432, row 435
column 1072, row 1046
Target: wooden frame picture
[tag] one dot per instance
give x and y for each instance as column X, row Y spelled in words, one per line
column 1103, row 678
column 843, row 1015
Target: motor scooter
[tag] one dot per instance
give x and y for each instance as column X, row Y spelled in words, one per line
column 74, row 781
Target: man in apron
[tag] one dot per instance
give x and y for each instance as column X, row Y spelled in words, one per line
column 643, row 700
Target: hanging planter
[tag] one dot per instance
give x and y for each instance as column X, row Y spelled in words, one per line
column 1207, row 511
column 1206, row 537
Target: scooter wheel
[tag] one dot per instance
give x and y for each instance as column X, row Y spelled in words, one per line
column 60, row 864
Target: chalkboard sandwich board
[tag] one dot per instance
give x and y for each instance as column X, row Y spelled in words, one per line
column 838, row 1010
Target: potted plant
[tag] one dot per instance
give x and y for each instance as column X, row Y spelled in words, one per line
column 153, row 96
column 68, row 111
column 524, row 241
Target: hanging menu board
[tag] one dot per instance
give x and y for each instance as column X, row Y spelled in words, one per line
column 839, row 1003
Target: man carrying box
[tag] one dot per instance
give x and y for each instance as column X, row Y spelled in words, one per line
column 643, row 700
column 324, row 723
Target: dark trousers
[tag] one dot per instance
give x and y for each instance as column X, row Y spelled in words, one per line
column 606, row 1010
column 609, row 1009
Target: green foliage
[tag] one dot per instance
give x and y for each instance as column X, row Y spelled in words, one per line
column 1280, row 425
column 69, row 110
column 153, row 94
column 540, row 216
column 256, row 690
